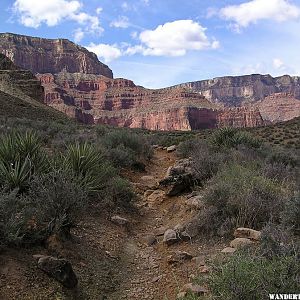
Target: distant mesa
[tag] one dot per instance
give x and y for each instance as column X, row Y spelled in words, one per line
column 76, row 83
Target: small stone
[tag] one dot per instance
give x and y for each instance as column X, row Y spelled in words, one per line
column 195, row 289
column 171, row 148
column 156, row 279
column 228, row 250
column 240, row 243
column 247, row 233
column 199, row 261
column 148, row 193
column 170, row 237
column 204, row 269
column 181, row 295
column 150, row 240
column 119, row 220
column 179, row 256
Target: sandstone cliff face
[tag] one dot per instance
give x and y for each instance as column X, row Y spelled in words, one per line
column 240, row 117
column 50, row 56
column 240, row 90
column 279, row 107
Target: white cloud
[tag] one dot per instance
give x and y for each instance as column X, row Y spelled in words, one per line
column 253, row 11
column 78, row 35
column 121, row 22
column 278, row 63
column 33, row 13
column 99, row 10
column 173, row 39
column 105, row 51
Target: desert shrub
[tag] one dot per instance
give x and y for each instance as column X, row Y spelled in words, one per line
column 291, row 213
column 21, row 156
column 277, row 241
column 16, row 219
column 279, row 172
column 239, row 196
column 189, row 147
column 231, row 137
column 283, row 156
column 118, row 194
column 58, row 200
column 86, row 163
column 248, row 277
column 125, row 148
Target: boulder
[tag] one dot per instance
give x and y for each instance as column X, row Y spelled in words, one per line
column 60, row 269
column 195, row 289
column 170, row 237
column 179, row 178
column 240, row 243
column 119, row 220
column 171, row 148
column 247, row 233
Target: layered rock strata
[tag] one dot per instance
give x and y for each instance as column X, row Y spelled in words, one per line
column 41, row 55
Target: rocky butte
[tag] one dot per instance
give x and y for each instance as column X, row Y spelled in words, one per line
column 78, row 84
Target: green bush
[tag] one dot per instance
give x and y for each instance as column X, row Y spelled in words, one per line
column 230, row 138
column 58, row 200
column 249, row 277
column 239, row 196
column 291, row 214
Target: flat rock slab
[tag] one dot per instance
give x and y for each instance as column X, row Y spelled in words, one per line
column 247, row 233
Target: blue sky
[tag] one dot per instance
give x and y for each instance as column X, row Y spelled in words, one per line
column 159, row 43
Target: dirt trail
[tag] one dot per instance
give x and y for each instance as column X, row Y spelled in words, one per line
column 113, row 262
column 146, row 271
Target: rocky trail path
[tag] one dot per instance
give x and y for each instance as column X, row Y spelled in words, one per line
column 151, row 269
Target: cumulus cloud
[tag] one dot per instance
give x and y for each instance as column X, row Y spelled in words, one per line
column 121, row 22
column 34, row 13
column 78, row 35
column 105, row 51
column 253, row 11
column 173, row 39
column 278, row 63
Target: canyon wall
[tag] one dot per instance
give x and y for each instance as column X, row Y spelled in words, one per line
column 241, row 90
column 50, row 55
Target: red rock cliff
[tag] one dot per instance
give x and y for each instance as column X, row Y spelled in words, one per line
column 50, row 55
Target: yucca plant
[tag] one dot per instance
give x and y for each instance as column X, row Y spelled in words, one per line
column 21, row 156
column 88, row 164
column 226, row 138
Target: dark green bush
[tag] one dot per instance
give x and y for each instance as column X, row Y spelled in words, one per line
column 248, row 277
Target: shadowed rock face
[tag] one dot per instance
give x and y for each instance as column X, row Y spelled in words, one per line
column 50, row 55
